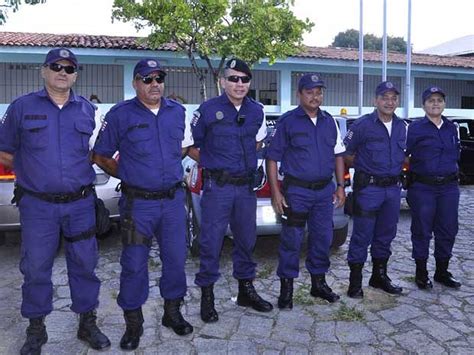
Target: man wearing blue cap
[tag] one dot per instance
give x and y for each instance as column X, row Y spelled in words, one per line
column 49, row 131
column 375, row 144
column 308, row 144
column 148, row 132
column 433, row 147
column 228, row 130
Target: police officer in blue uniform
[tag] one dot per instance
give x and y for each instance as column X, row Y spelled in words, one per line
column 308, row 144
column 433, row 195
column 148, row 132
column 375, row 144
column 227, row 130
column 49, row 131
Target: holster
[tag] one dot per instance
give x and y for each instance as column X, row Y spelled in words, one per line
column 293, row 219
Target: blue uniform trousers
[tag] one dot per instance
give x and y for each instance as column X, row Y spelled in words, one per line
column 221, row 205
column 41, row 225
column 434, row 210
column 378, row 230
column 318, row 203
column 164, row 219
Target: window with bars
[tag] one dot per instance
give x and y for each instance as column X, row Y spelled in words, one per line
column 341, row 89
column 104, row 82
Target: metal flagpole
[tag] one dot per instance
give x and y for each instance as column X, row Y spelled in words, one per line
column 408, row 68
column 361, row 57
column 384, row 42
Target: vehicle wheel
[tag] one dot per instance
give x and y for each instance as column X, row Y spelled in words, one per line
column 192, row 227
column 339, row 236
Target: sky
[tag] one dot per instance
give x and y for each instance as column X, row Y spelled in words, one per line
column 433, row 21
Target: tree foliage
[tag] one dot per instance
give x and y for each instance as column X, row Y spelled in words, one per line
column 14, row 5
column 350, row 39
column 218, row 29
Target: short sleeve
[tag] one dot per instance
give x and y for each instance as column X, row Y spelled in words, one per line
column 107, row 142
column 9, row 133
column 278, row 142
column 262, row 131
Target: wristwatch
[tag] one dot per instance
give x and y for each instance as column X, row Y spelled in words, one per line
column 339, row 184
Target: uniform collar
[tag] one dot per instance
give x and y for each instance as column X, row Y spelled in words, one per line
column 72, row 96
column 375, row 117
column 224, row 99
column 299, row 111
column 164, row 103
column 426, row 120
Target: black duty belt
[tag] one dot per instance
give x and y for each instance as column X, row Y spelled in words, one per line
column 434, row 180
column 312, row 185
column 54, row 197
column 135, row 192
column 362, row 179
column 222, row 177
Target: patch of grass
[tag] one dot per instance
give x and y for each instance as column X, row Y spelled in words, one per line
column 351, row 314
column 408, row 278
column 265, row 271
column 152, row 263
column 302, row 296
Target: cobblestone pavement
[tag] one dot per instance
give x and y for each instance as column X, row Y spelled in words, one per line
column 431, row 322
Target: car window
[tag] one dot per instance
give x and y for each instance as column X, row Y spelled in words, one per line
column 466, row 129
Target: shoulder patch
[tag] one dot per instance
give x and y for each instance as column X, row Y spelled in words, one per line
column 196, row 117
column 4, row 118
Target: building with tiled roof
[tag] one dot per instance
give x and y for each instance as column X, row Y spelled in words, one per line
column 107, row 65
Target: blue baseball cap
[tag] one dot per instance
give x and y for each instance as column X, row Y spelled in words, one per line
column 57, row 54
column 310, row 81
column 430, row 91
column 147, row 66
column 386, row 86
column 238, row 65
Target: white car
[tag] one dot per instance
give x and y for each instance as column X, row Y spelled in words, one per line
column 268, row 222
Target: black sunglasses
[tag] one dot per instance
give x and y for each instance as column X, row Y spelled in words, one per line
column 235, row 79
column 69, row 69
column 160, row 79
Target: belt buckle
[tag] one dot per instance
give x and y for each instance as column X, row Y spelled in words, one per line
column 60, row 198
column 439, row 180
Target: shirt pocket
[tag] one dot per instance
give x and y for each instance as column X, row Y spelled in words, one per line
column 35, row 134
column 176, row 137
column 377, row 151
column 300, row 139
column 84, row 129
column 224, row 136
column 139, row 139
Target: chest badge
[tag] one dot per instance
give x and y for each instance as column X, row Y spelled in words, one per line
column 219, row 115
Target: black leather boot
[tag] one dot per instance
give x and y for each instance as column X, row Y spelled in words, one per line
column 286, row 293
column 134, row 329
column 421, row 276
column 443, row 276
column 172, row 318
column 355, row 281
column 208, row 312
column 380, row 279
column 90, row 332
column 319, row 288
column 36, row 336
column 248, row 297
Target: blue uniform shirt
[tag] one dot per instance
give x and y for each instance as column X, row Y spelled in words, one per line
column 50, row 145
column 306, row 151
column 376, row 152
column 149, row 145
column 225, row 136
column 433, row 151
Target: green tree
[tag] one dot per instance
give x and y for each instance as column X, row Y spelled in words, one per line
column 214, row 30
column 14, row 6
column 350, row 39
